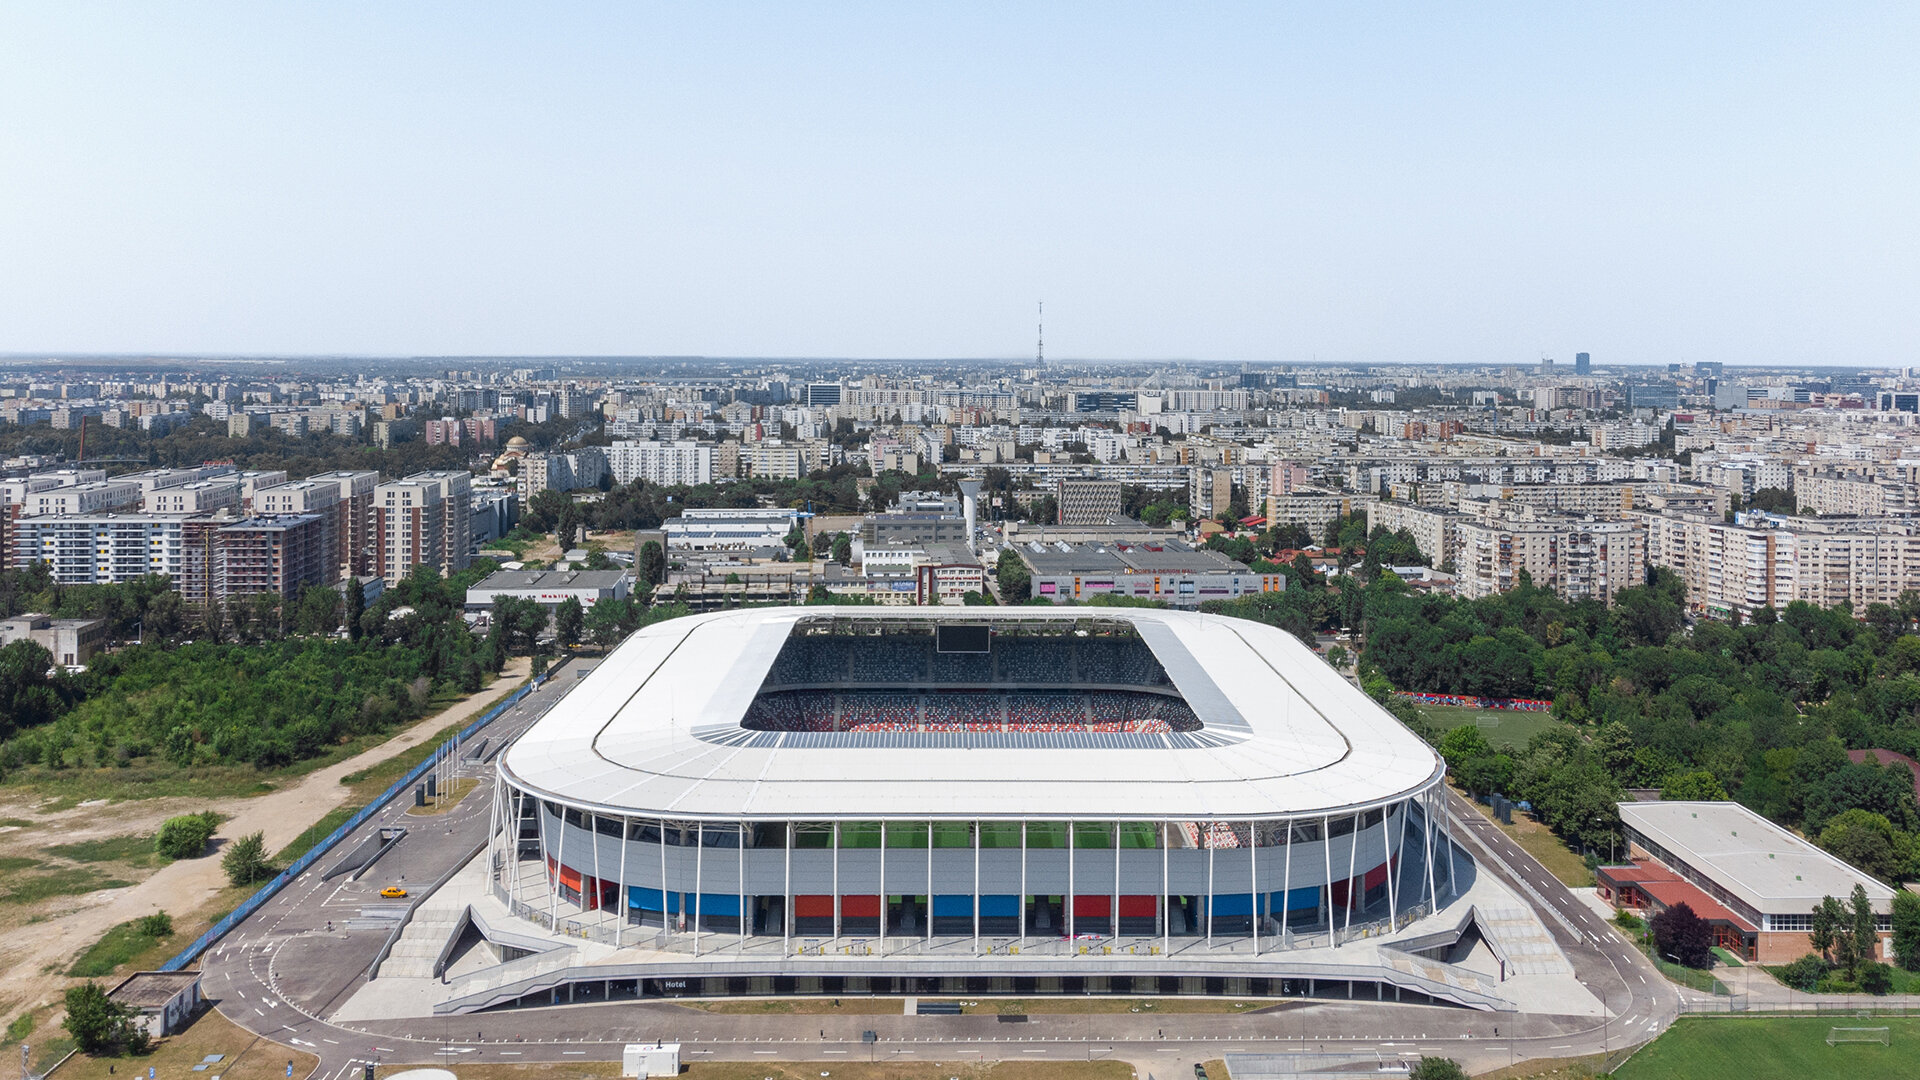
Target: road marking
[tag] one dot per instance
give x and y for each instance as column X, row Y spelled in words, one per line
column 574, row 1051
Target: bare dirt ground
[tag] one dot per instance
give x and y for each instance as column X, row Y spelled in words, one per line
column 38, row 941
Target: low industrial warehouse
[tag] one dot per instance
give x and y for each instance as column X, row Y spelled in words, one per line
column 862, row 794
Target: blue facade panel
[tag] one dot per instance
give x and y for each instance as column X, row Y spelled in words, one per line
column 999, row 907
column 953, row 906
column 1233, row 904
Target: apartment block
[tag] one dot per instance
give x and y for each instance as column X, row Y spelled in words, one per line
column 1435, row 531
column 1579, row 559
column 410, row 528
column 355, row 531
column 667, row 463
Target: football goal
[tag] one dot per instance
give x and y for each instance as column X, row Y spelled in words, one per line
column 1838, row 1035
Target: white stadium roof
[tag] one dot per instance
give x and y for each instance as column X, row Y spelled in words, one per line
column 655, row 730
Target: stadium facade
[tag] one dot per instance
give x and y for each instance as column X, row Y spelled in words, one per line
column 973, row 792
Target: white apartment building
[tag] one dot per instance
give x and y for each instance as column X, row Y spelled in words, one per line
column 1436, row 531
column 683, row 462
column 97, row 497
column 1831, row 492
column 1768, row 560
column 101, row 549
column 1578, row 558
column 197, row 497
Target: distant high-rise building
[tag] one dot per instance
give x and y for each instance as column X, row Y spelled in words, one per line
column 822, row 394
column 1582, row 363
column 1546, row 365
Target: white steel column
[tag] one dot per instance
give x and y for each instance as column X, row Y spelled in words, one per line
column 1353, row 856
column 593, row 837
column 746, row 921
column 1253, row 881
column 1446, row 843
column 621, row 906
column 1392, row 871
column 1207, row 839
column 666, row 916
column 883, row 888
column 1326, row 851
column 1426, row 827
column 836, row 885
column 557, row 882
column 1286, row 886
column 699, row 872
column 1023, row 883
column 1166, row 889
column 929, row 937
column 786, row 891
column 1071, row 887
column 1113, row 915
column 976, row 888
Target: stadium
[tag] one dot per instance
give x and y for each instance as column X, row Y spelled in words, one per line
column 823, row 799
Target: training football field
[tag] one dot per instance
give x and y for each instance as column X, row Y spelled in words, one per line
column 1711, row 1048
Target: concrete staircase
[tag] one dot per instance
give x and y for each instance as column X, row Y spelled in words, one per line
column 424, row 943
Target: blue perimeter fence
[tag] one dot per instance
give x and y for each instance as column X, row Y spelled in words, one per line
column 286, row 877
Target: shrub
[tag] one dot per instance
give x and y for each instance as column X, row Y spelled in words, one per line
column 1804, row 973
column 186, row 837
column 1876, row 978
column 1437, row 1068
column 157, row 925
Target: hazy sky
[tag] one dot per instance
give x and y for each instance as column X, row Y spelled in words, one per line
column 1359, row 182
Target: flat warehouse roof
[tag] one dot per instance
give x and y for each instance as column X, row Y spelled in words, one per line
column 1763, row 864
column 656, row 729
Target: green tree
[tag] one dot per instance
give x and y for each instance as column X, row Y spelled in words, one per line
column 186, row 836
column 843, row 549
column 356, row 605
column 521, row 620
column 1906, row 929
column 1011, row 574
column 1868, row 841
column 1862, row 929
column 1699, row 785
column 567, row 622
column 245, row 862
column 651, row 565
column 1827, row 928
column 27, row 695
column 100, row 1025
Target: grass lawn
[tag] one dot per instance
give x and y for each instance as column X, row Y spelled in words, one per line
column 245, row 1056
column 1538, row 841
column 115, row 948
column 1505, row 728
column 132, row 850
column 1774, row 1048
column 450, row 795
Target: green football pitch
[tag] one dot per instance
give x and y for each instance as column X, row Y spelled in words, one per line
column 1775, row 1048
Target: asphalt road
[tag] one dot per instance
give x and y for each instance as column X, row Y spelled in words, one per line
column 298, row 958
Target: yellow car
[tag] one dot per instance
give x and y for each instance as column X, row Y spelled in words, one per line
column 393, row 892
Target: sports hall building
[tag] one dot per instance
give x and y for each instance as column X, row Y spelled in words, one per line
column 832, row 799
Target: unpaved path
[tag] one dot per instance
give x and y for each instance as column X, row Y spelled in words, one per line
column 33, row 957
